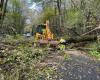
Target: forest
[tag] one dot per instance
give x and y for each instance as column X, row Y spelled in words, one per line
column 49, row 39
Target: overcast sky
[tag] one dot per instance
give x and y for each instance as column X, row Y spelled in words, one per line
column 30, row 6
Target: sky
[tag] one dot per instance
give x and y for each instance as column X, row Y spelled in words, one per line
column 31, row 6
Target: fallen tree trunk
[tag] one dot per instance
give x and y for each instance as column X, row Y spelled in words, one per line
column 81, row 39
column 94, row 31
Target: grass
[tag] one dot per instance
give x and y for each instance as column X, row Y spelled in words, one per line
column 95, row 53
column 95, row 49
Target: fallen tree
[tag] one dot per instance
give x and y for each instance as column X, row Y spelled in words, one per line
column 81, row 39
column 88, row 36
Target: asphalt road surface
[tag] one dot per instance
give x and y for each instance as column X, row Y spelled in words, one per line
column 79, row 67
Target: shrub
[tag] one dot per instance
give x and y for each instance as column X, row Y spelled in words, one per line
column 95, row 49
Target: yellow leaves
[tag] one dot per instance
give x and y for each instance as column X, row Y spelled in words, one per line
column 2, row 60
column 66, row 56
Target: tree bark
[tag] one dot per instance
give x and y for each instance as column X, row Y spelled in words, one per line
column 81, row 39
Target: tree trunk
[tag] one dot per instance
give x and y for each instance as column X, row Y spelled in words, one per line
column 81, row 39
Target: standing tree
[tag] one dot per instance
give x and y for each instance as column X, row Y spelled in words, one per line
column 3, row 5
column 13, row 20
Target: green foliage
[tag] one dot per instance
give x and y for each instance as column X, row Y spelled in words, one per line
column 16, row 15
column 16, row 3
column 95, row 53
column 95, row 49
column 47, row 13
column 74, row 17
column 14, row 39
column 66, row 56
column 13, row 21
column 22, row 62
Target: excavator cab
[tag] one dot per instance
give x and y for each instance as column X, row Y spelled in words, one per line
column 40, row 32
column 43, row 32
column 40, row 29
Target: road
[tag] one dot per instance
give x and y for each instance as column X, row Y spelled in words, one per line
column 80, row 67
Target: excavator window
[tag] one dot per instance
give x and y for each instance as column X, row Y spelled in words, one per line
column 40, row 29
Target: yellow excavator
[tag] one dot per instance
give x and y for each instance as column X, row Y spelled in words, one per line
column 43, row 32
column 43, row 35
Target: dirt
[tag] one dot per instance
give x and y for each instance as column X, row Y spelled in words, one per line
column 51, row 60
